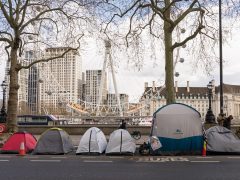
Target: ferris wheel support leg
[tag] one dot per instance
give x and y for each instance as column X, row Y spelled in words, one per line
column 115, row 86
column 102, row 82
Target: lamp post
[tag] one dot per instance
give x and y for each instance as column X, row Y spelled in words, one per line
column 3, row 113
column 220, row 59
column 210, row 118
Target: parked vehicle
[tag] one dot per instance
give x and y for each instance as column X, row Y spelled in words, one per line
column 36, row 120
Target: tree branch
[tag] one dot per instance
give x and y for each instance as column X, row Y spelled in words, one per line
column 6, row 49
column 7, row 33
column 156, row 9
column 6, row 40
column 38, row 16
column 5, row 14
column 130, row 24
column 121, row 14
column 24, row 7
column 52, row 58
column 197, row 31
column 189, row 10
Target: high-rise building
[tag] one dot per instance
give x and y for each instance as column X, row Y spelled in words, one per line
column 23, row 76
column 60, row 80
column 82, row 89
column 28, row 80
column 113, row 105
column 92, row 89
column 33, row 84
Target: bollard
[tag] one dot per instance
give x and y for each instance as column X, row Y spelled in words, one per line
column 22, row 151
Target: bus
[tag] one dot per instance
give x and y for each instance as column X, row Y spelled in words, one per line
column 36, row 120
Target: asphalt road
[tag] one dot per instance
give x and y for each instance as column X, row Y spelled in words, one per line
column 72, row 167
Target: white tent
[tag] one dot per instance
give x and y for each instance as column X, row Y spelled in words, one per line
column 179, row 129
column 93, row 141
column 121, row 142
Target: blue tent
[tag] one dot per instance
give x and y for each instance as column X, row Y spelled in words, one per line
column 179, row 129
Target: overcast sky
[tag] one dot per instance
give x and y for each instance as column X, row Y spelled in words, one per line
column 131, row 81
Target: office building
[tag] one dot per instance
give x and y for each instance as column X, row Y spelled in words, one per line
column 59, row 80
column 92, row 88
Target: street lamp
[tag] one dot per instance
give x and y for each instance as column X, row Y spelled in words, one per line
column 210, row 118
column 220, row 59
column 3, row 113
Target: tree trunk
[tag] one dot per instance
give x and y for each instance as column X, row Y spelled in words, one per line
column 169, row 77
column 13, row 93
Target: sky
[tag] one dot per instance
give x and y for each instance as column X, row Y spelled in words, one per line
column 131, row 81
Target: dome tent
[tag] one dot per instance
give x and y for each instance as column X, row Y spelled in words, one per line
column 179, row 129
column 92, row 142
column 54, row 141
column 221, row 140
column 120, row 142
column 12, row 145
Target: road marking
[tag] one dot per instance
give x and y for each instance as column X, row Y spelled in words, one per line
column 162, row 159
column 56, row 157
column 31, row 157
column 88, row 157
column 207, row 157
column 88, row 161
column 232, row 157
column 39, row 160
column 117, row 157
column 205, row 161
column 4, row 160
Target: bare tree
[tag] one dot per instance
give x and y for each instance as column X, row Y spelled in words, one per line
column 24, row 23
column 162, row 18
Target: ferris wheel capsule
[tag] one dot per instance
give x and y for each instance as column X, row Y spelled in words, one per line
column 177, row 74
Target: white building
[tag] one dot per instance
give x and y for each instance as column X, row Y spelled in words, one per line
column 23, row 81
column 112, row 102
column 196, row 97
column 231, row 101
column 60, row 80
column 92, row 88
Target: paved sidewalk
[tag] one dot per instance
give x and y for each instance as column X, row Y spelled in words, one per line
column 76, row 139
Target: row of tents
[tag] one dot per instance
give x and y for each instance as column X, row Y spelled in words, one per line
column 180, row 130
column 177, row 129
column 57, row 141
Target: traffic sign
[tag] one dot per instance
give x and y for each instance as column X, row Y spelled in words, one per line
column 2, row 128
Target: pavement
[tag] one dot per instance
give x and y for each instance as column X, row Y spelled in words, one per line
column 76, row 139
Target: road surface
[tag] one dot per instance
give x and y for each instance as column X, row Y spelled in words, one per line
column 72, row 167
